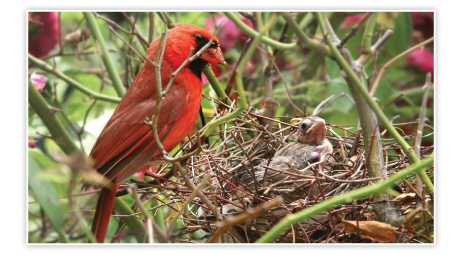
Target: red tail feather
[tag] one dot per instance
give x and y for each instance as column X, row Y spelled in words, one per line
column 103, row 212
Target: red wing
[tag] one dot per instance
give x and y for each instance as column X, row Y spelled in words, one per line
column 126, row 136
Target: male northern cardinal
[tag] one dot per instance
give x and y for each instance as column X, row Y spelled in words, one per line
column 126, row 143
column 309, row 147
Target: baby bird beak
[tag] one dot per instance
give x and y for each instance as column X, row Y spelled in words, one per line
column 317, row 132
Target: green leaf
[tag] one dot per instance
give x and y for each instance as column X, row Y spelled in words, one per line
column 336, row 87
column 402, row 33
column 45, row 194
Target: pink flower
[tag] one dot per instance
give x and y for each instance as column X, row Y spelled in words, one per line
column 31, row 144
column 43, row 32
column 422, row 59
column 144, row 169
column 229, row 33
column 350, row 20
column 39, row 81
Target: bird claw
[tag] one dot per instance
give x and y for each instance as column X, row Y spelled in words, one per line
column 148, row 121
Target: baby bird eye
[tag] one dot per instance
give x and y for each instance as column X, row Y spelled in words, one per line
column 314, row 160
column 304, row 126
column 200, row 38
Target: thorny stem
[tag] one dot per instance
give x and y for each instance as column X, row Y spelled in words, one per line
column 216, row 85
column 310, row 43
column 355, row 28
column 253, row 34
column 44, row 66
column 56, row 129
column 108, row 63
column 357, row 84
column 367, row 36
column 362, row 60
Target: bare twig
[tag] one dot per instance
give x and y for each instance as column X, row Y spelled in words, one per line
column 149, row 222
column 252, row 212
column 355, row 28
column 389, row 63
column 126, row 43
column 418, row 137
column 186, row 203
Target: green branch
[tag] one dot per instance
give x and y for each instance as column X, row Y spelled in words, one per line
column 308, row 42
column 383, row 186
column 56, row 129
column 242, row 106
column 356, row 82
column 254, row 34
column 240, row 88
column 108, row 63
column 135, row 224
column 216, row 85
column 45, row 67
column 367, row 37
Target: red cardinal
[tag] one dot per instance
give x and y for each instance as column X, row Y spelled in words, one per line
column 126, row 143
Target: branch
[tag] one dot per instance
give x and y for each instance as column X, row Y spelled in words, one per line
column 44, row 66
column 108, row 63
column 308, row 42
column 149, row 223
column 54, row 126
column 355, row 28
column 253, row 34
column 389, row 63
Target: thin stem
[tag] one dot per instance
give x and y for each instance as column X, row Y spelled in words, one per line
column 216, row 85
column 126, row 43
column 56, row 129
column 108, row 63
column 253, row 34
column 134, row 223
column 186, row 203
column 367, row 36
column 389, row 63
column 418, row 137
column 355, row 28
column 308, row 42
column 44, row 66
column 151, row 27
column 149, row 222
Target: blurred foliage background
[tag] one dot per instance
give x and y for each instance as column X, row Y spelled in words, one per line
column 62, row 40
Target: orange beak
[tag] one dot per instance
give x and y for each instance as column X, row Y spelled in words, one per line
column 317, row 132
column 214, row 56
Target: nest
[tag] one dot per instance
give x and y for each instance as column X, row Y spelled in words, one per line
column 242, row 145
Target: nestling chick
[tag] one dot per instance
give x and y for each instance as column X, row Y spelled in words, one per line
column 308, row 148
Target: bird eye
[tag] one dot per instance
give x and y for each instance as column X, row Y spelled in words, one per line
column 314, row 160
column 304, row 126
column 200, row 38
